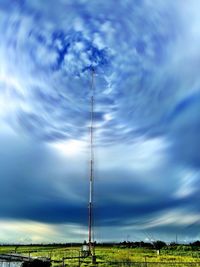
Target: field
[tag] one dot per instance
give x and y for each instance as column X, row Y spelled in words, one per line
column 179, row 255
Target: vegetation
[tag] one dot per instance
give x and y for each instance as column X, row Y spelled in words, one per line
column 109, row 254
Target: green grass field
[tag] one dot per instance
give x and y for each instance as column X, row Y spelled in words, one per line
column 106, row 255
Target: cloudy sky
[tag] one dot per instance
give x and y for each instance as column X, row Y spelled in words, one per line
column 147, row 119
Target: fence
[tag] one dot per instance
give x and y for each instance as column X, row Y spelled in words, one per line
column 152, row 264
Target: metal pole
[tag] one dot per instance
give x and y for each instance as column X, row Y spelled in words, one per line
column 79, row 259
column 90, row 232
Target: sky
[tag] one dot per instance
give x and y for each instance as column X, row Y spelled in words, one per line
column 146, row 58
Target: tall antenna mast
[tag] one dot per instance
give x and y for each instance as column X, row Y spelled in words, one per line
column 91, row 184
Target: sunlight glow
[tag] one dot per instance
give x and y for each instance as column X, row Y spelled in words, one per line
column 69, row 148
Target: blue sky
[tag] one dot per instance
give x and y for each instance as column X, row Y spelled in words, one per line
column 147, row 97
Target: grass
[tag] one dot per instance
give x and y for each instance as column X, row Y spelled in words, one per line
column 179, row 253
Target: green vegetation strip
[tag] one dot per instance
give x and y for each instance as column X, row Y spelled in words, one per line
column 177, row 255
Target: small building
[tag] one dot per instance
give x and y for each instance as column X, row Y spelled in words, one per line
column 15, row 260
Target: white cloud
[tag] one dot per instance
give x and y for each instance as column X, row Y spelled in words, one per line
column 188, row 181
column 142, row 155
column 18, row 231
column 176, row 217
column 24, row 232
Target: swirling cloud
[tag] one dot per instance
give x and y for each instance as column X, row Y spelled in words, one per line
column 130, row 54
column 146, row 60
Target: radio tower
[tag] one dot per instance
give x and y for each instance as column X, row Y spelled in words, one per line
column 91, row 183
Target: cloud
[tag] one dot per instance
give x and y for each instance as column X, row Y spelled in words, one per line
column 129, row 79
column 146, row 62
column 27, row 232
column 37, row 184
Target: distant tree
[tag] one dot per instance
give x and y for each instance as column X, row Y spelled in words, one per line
column 158, row 245
column 173, row 244
column 195, row 244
